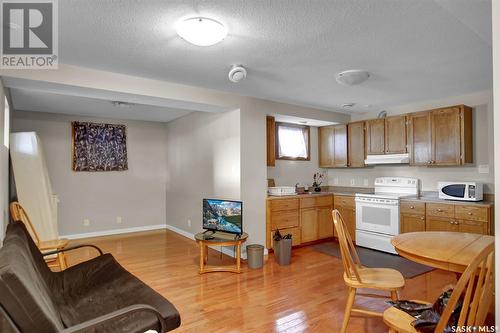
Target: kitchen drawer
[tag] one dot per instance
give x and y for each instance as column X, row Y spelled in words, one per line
column 471, row 213
column 284, row 204
column 316, row 201
column 284, row 219
column 474, row 227
column 440, row 210
column 295, row 235
column 412, row 207
column 343, row 201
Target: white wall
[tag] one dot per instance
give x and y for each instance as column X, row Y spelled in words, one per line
column 4, row 170
column 496, row 96
column 203, row 161
column 137, row 195
column 483, row 149
column 288, row 173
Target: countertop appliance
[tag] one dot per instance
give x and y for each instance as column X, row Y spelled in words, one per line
column 464, row 191
column 377, row 215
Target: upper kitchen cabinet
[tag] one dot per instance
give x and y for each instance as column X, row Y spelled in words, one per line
column 395, row 135
column 441, row 137
column 451, row 131
column 356, row 144
column 419, row 138
column 271, row 143
column 332, row 142
column 375, row 136
column 325, row 144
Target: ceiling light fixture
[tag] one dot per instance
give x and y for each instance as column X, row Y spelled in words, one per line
column 352, row 77
column 201, row 31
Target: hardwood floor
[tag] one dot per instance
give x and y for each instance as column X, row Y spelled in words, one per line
column 307, row 296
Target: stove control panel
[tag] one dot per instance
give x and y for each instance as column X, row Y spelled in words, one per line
column 382, row 201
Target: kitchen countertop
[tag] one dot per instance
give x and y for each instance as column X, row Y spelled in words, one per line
column 330, row 190
column 433, row 197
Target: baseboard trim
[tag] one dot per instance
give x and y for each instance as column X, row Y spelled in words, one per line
column 180, row 231
column 115, row 231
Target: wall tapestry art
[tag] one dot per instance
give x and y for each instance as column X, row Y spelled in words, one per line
column 99, row 147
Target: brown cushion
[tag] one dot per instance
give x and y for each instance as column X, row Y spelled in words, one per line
column 25, row 288
column 102, row 285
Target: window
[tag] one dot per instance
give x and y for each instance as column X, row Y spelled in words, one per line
column 292, row 142
column 6, row 123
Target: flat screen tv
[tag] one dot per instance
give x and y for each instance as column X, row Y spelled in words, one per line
column 223, row 215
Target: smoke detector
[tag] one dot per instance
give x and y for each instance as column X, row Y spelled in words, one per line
column 120, row 104
column 352, row 77
column 237, row 73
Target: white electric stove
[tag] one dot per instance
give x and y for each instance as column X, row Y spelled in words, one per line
column 377, row 215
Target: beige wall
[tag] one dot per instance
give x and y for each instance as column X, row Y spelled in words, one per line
column 288, row 173
column 203, row 161
column 4, row 170
column 483, row 149
column 137, row 195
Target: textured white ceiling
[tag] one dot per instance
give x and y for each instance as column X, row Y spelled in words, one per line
column 42, row 101
column 415, row 49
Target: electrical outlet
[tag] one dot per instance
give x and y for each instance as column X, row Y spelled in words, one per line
column 335, row 181
column 119, row 220
column 189, row 223
column 353, row 182
column 365, row 182
column 484, row 168
column 86, row 222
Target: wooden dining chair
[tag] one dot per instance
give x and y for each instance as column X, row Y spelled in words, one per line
column 18, row 213
column 476, row 286
column 356, row 276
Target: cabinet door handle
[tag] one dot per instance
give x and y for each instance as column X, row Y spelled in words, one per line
column 439, row 210
column 469, row 213
column 412, row 207
column 451, row 222
column 422, row 218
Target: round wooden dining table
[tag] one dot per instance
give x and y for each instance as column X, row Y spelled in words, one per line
column 450, row 251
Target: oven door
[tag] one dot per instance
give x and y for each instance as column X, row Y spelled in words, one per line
column 377, row 216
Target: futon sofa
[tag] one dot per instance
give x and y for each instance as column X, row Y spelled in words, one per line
column 97, row 295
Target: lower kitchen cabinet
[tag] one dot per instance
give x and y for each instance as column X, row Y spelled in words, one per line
column 412, row 223
column 309, row 224
column 308, row 218
column 325, row 223
column 441, row 224
column 347, row 208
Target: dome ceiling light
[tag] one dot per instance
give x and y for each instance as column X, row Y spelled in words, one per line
column 201, row 31
column 352, row 77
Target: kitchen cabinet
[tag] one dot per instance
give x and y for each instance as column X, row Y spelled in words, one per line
column 332, row 142
column 325, row 143
column 441, row 224
column 309, row 224
column 325, row 223
column 395, row 135
column 347, row 209
column 308, row 218
column 441, row 137
column 375, row 136
column 356, row 144
column 412, row 217
column 270, row 141
column 340, row 146
column 419, row 138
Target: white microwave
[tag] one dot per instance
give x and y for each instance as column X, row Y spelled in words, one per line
column 465, row 191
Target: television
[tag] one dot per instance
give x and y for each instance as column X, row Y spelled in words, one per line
column 223, row 215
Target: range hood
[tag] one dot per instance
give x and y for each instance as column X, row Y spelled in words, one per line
column 388, row 159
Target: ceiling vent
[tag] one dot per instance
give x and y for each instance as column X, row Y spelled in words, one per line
column 120, row 104
column 237, row 73
column 352, row 77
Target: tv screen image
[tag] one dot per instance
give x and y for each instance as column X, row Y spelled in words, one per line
column 223, row 215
